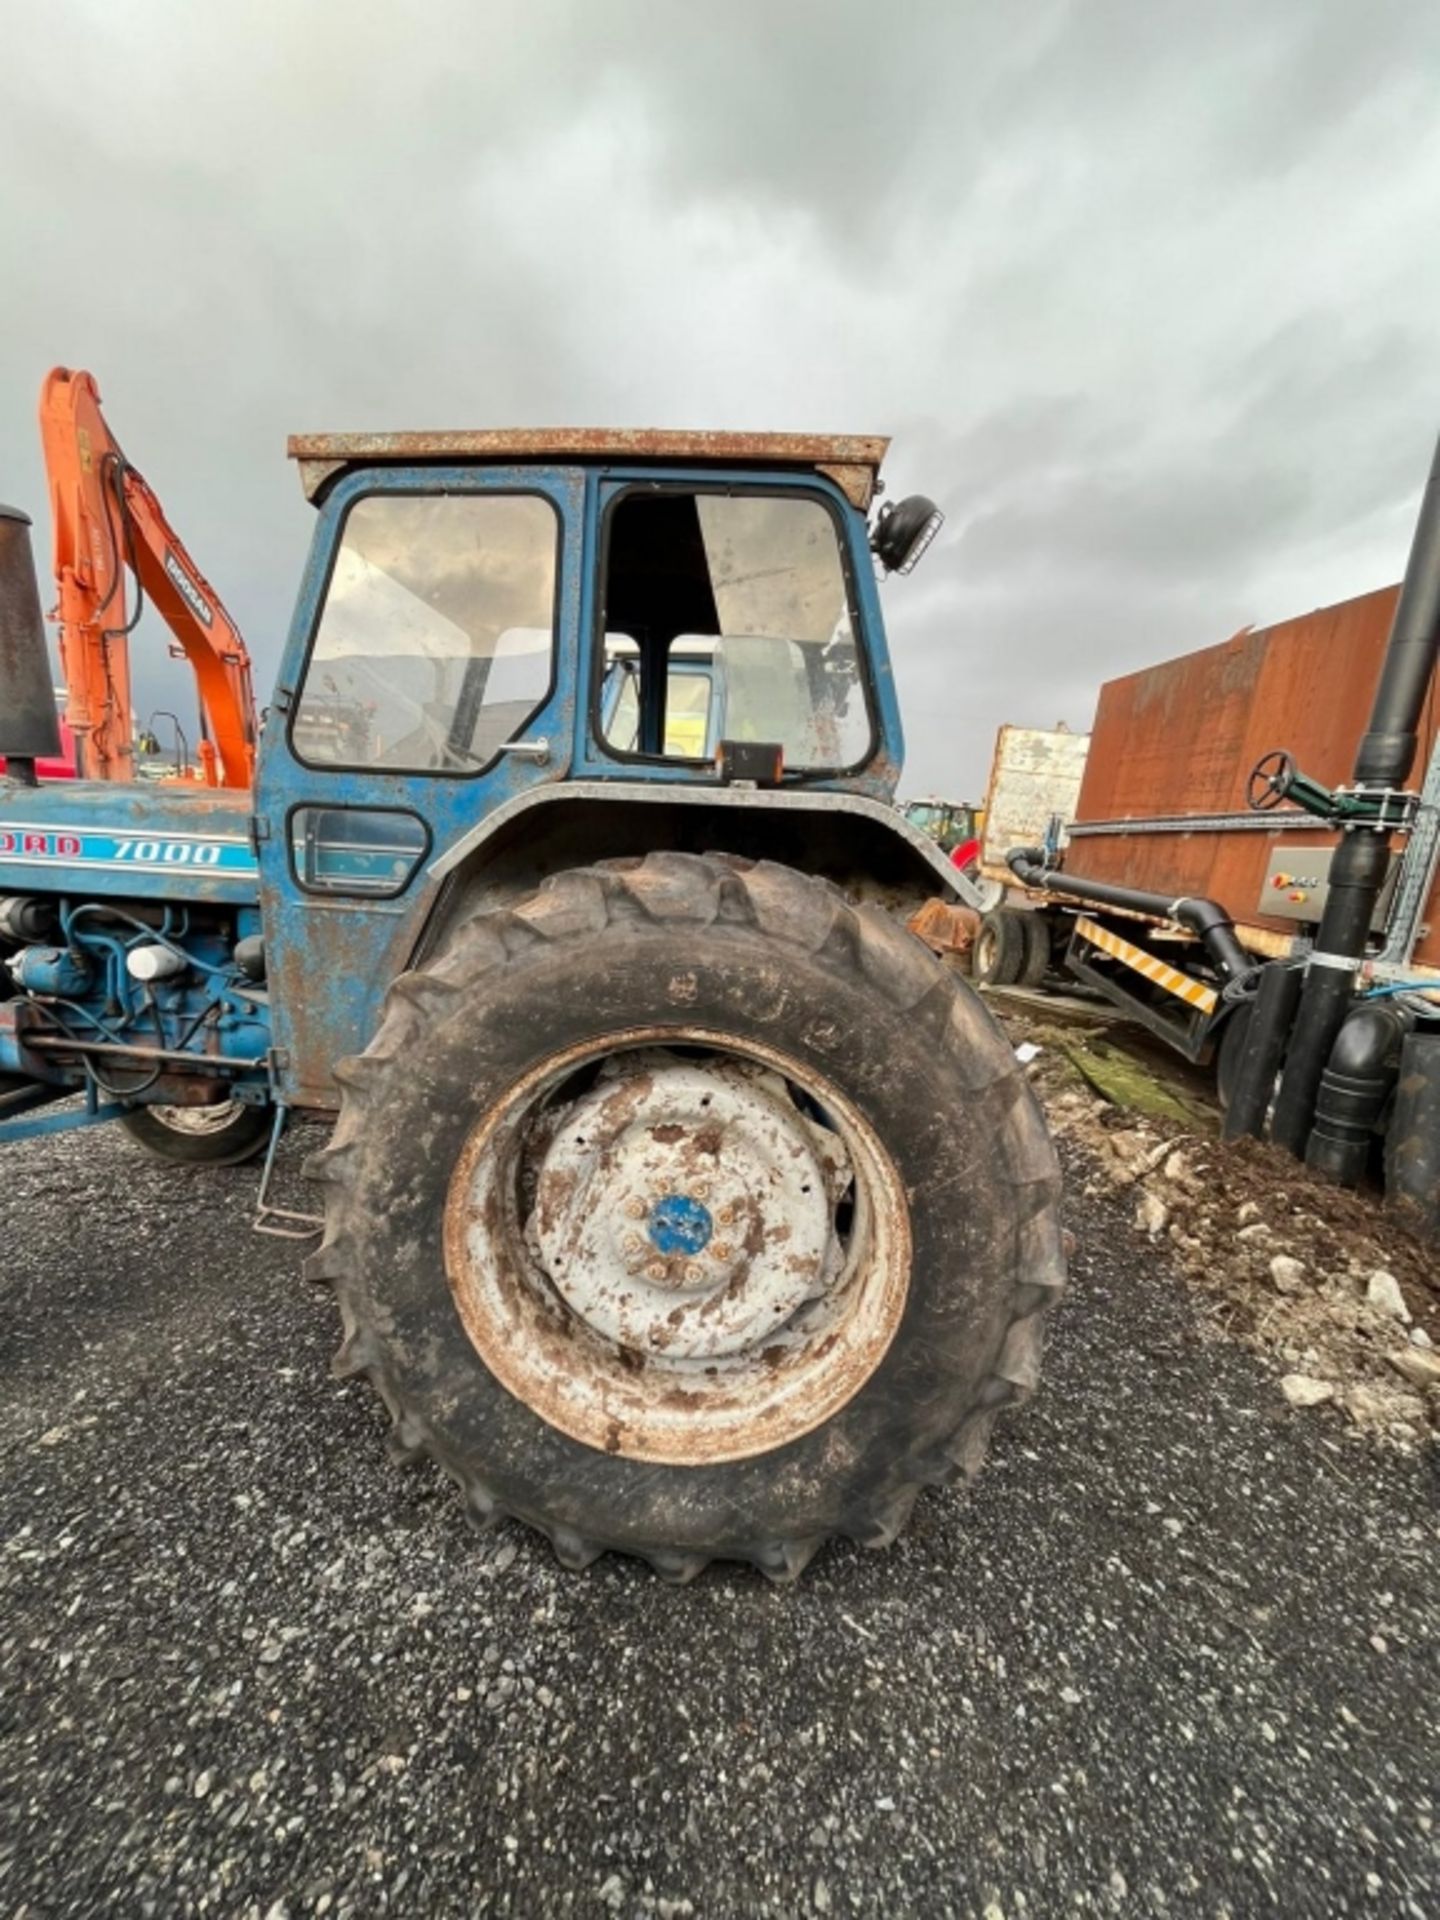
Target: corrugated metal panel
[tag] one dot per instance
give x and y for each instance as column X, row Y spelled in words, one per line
column 1180, row 738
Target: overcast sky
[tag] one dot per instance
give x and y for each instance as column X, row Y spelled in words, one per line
column 1148, row 294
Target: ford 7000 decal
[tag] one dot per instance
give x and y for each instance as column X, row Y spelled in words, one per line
column 48, row 846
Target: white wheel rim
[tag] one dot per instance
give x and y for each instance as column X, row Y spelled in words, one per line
column 197, row 1120
column 680, row 1262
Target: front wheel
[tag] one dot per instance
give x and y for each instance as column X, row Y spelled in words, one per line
column 687, row 1210
column 221, row 1135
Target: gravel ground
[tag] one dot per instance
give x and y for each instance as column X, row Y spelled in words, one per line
column 1176, row 1654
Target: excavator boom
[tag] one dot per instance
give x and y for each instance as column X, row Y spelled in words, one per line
column 107, row 521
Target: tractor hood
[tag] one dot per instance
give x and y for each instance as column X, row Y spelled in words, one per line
column 142, row 841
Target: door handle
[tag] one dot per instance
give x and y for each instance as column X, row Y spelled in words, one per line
column 536, row 750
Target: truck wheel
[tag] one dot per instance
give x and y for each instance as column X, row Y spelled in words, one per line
column 218, row 1136
column 687, row 1210
column 1000, row 948
column 1036, row 964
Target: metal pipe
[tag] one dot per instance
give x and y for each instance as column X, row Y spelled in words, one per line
column 1205, row 918
column 61, row 1043
column 1362, row 859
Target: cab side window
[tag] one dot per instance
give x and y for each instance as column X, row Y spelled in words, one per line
column 727, row 616
column 436, row 642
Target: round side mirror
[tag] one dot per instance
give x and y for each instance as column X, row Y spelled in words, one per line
column 904, row 530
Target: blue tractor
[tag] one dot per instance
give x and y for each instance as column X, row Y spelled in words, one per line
column 679, row 1202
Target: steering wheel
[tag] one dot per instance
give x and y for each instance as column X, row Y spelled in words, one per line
column 1271, row 778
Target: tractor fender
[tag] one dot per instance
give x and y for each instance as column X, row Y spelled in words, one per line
column 867, row 848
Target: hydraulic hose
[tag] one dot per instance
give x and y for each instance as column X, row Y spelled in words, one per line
column 1204, row 918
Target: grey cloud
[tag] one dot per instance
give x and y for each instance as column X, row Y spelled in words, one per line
column 1151, row 525
column 1147, row 294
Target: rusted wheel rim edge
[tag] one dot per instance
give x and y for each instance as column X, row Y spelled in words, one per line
column 727, row 1401
column 197, row 1120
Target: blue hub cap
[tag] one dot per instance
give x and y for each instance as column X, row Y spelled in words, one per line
column 679, row 1225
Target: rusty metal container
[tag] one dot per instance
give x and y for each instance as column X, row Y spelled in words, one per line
column 1034, row 778
column 1162, row 804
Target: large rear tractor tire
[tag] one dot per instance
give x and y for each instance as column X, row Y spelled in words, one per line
column 687, row 1210
column 217, row 1136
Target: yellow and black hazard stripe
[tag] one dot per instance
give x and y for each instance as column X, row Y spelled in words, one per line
column 1193, row 992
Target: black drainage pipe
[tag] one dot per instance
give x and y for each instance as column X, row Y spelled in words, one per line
column 1362, row 859
column 1412, row 1139
column 1268, row 1020
column 1205, row 918
column 1353, row 1090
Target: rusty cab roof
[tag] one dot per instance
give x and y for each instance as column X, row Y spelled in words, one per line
column 852, row 461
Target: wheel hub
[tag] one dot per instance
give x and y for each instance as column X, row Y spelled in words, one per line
column 698, row 1257
column 680, row 1224
column 687, row 1210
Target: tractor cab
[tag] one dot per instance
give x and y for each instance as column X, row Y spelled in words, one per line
column 640, row 613
column 951, row 824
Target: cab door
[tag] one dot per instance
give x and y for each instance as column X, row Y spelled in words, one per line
column 429, row 677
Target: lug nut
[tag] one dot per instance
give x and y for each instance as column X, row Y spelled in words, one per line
column 694, row 1274
column 721, row 1249
column 635, row 1209
column 655, row 1270
column 633, row 1243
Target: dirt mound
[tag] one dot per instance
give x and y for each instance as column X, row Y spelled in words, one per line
column 1325, row 1283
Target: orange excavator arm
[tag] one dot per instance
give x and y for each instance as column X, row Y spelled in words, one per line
column 106, row 521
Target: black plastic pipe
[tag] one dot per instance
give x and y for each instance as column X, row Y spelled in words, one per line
column 1268, row 1019
column 1388, row 749
column 1205, row 918
column 1353, row 1090
column 1412, row 1139
column 1362, row 859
